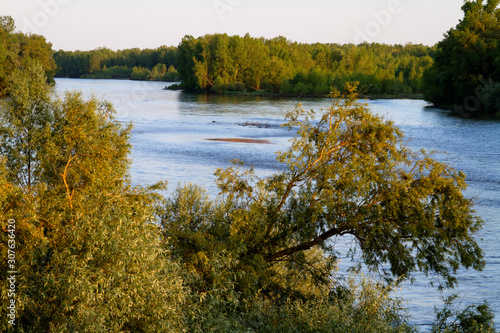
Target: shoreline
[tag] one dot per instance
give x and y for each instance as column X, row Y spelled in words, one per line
column 265, row 93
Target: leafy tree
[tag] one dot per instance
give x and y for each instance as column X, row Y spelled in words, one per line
column 18, row 49
column 86, row 243
column 347, row 176
column 25, row 130
column 248, row 63
column 279, row 65
column 474, row 318
column 7, row 27
column 465, row 61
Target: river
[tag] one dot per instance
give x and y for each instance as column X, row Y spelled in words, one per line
column 170, row 143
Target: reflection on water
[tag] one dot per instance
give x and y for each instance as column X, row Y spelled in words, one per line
column 170, row 143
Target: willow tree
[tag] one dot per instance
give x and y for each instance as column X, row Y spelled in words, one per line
column 18, row 49
column 347, row 175
column 87, row 249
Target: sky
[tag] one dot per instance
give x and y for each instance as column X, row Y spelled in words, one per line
column 120, row 24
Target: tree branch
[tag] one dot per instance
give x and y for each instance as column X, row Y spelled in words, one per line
column 306, row 246
column 64, row 176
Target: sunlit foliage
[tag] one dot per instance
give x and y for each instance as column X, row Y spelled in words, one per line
column 18, row 49
column 272, row 243
column 88, row 253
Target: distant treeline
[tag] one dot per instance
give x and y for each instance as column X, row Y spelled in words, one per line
column 217, row 63
column 103, row 63
column 221, row 63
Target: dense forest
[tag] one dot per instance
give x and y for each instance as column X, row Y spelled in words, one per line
column 148, row 64
column 221, row 63
column 466, row 73
column 216, row 63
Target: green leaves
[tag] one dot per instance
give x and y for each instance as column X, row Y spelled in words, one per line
column 24, row 125
column 88, row 246
column 271, row 243
column 100, row 255
column 348, row 173
column 474, row 318
column 465, row 66
column 20, row 50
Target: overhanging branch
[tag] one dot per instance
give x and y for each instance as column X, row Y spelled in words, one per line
column 307, row 245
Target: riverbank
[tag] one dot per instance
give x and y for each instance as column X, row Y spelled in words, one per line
column 270, row 94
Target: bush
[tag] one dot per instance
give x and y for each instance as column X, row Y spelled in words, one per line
column 87, row 246
column 474, row 318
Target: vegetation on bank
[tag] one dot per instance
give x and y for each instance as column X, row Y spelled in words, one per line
column 466, row 72
column 97, row 254
column 103, row 63
column 220, row 63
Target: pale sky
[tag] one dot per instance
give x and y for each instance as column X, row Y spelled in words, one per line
column 121, row 24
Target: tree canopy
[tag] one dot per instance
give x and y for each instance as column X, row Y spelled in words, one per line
column 466, row 72
column 18, row 49
column 218, row 62
column 87, row 250
column 98, row 255
column 136, row 64
column 346, row 174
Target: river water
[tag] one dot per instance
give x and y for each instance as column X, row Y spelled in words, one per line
column 171, row 142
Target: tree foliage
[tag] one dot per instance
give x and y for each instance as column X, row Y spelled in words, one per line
column 87, row 249
column 474, row 318
column 221, row 62
column 148, row 64
column 232, row 291
column 18, row 49
column 466, row 72
column 346, row 176
column 96, row 254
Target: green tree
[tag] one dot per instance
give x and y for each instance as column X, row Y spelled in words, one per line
column 7, row 27
column 18, row 49
column 186, row 58
column 465, row 60
column 474, row 318
column 24, row 130
column 347, row 176
column 171, row 75
column 86, row 241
